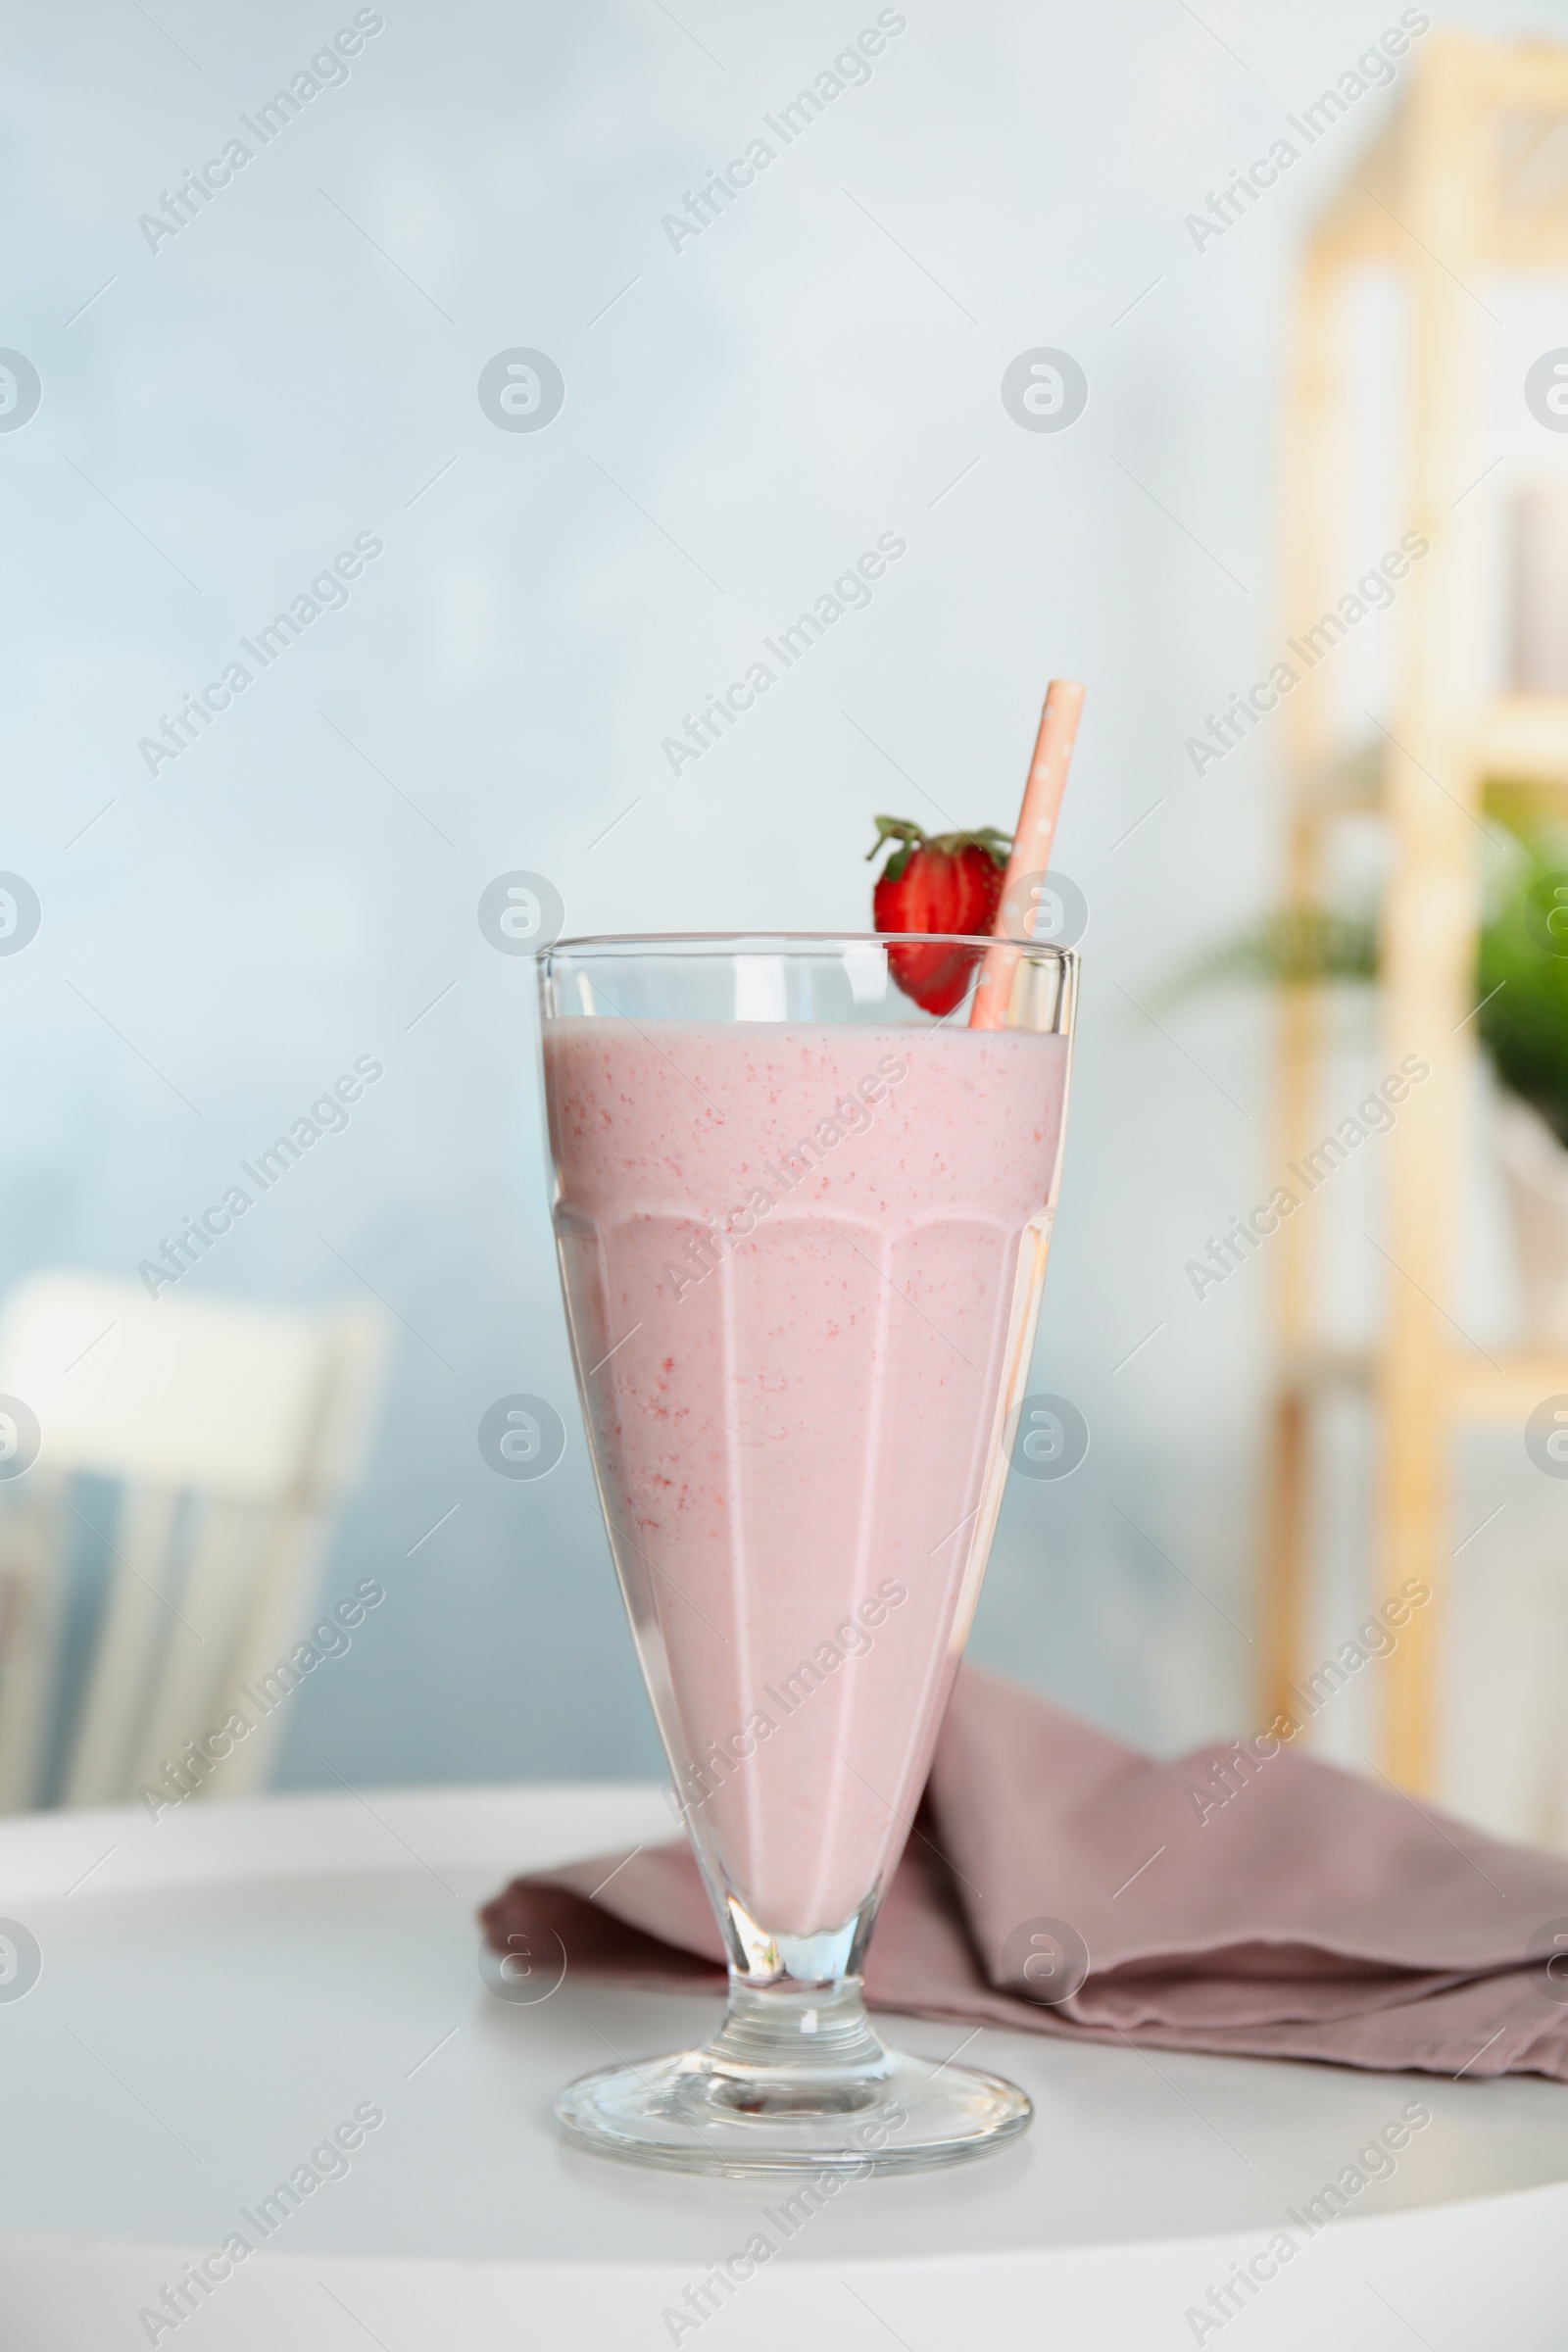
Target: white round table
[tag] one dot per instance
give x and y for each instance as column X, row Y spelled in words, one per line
column 224, row 1992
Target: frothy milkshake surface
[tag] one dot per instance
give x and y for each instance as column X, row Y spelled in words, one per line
column 799, row 1264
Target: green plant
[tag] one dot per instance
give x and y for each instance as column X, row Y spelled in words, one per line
column 1521, row 961
column 1522, row 983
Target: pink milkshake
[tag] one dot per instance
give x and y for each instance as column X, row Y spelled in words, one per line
column 802, row 1265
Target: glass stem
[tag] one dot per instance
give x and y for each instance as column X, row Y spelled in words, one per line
column 815, row 2032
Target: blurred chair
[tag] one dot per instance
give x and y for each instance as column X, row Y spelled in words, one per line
column 233, row 1433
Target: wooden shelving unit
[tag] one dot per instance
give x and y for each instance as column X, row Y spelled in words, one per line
column 1469, row 178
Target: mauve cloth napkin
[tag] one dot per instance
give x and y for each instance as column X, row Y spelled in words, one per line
column 1308, row 1914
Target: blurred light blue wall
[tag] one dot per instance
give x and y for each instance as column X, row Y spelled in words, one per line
column 224, row 414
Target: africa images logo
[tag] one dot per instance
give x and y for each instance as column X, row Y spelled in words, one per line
column 327, row 70
column 522, row 390
column 327, row 593
column 1372, row 70
column 20, row 391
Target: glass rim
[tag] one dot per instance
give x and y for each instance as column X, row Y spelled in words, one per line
column 801, row 941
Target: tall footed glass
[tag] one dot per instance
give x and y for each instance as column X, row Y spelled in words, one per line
column 803, row 1228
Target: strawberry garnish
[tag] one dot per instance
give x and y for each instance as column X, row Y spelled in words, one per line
column 941, row 882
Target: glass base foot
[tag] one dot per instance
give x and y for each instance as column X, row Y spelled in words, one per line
column 751, row 2103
